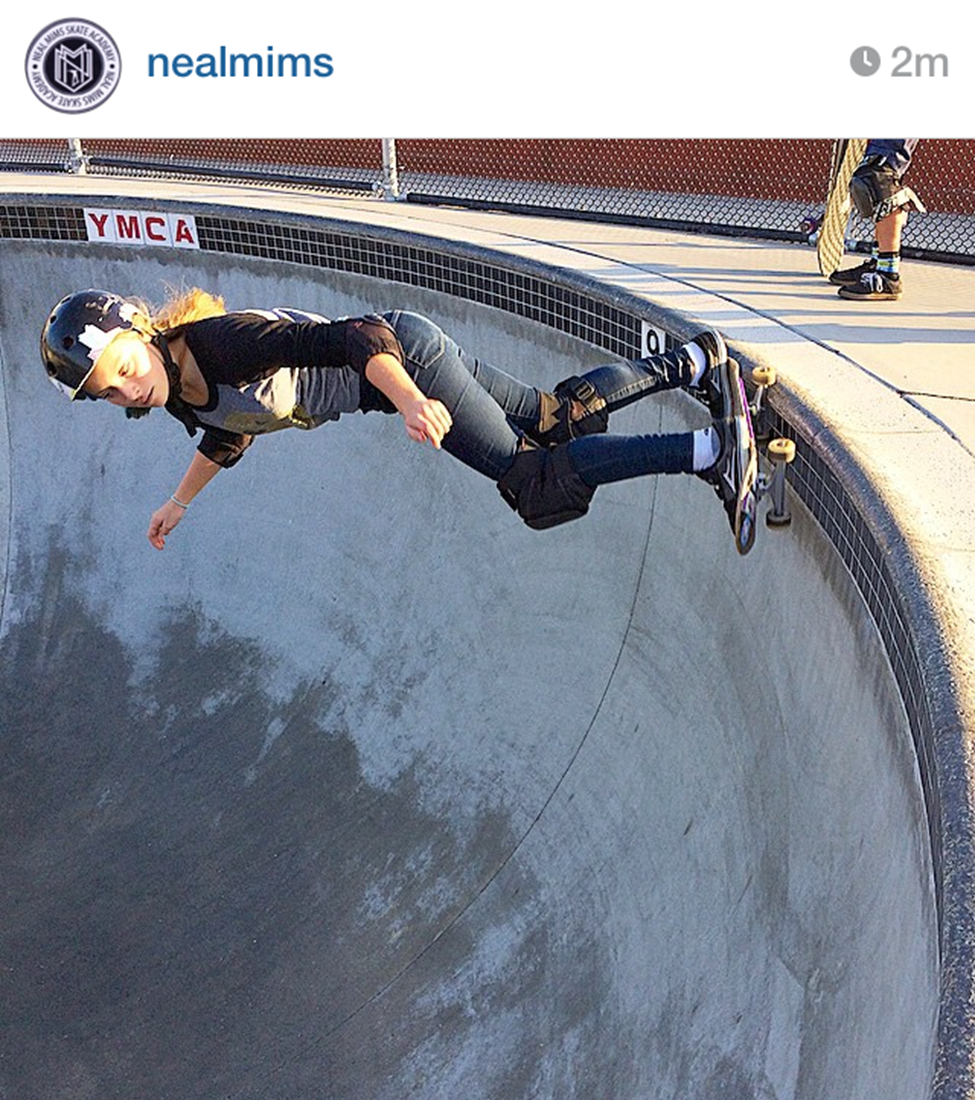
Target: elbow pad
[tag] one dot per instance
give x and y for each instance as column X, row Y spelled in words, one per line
column 224, row 448
column 354, row 342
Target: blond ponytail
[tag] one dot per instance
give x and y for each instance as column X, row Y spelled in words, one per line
column 181, row 308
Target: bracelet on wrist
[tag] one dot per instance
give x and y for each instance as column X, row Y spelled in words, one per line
column 178, row 503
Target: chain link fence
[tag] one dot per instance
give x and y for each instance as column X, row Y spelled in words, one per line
column 761, row 188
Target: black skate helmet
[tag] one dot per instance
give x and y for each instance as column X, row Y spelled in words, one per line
column 76, row 332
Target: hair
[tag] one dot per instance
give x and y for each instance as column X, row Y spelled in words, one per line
column 181, row 308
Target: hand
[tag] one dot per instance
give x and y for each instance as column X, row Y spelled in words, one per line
column 427, row 419
column 163, row 521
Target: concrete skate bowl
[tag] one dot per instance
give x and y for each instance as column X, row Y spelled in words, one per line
column 363, row 791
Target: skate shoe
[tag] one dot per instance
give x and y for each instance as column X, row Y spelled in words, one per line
column 713, row 473
column 712, row 344
column 721, row 475
column 852, row 275
column 874, row 286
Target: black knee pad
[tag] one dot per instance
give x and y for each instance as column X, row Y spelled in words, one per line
column 877, row 190
column 555, row 423
column 544, row 488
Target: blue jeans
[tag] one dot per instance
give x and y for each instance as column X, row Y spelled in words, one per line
column 491, row 410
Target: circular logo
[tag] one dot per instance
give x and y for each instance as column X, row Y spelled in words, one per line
column 73, row 66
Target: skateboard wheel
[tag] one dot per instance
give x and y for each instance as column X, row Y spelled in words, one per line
column 745, row 527
column 782, row 450
column 763, row 376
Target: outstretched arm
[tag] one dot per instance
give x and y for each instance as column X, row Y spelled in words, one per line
column 199, row 474
column 426, row 418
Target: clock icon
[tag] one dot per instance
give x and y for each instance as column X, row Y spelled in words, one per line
column 865, row 61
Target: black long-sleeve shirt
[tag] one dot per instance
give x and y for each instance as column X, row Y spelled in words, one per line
column 272, row 369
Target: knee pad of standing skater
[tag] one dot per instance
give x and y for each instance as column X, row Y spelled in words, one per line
column 877, row 190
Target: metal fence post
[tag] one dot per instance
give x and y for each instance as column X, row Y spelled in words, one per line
column 77, row 160
column 390, row 174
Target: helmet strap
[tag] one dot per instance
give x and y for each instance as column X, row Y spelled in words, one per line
column 176, row 406
column 172, row 371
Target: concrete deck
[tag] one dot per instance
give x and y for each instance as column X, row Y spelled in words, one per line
column 354, row 793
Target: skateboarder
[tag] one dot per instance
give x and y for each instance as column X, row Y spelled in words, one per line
column 879, row 194
column 242, row 374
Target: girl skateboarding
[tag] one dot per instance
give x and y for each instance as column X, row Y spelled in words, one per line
column 237, row 375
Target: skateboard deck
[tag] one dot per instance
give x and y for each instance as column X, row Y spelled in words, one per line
column 847, row 154
column 742, row 488
column 746, row 501
column 743, row 480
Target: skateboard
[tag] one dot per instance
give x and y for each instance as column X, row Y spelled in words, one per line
column 831, row 243
column 755, row 478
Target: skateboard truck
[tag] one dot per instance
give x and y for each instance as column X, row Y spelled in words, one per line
column 781, row 453
column 762, row 378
